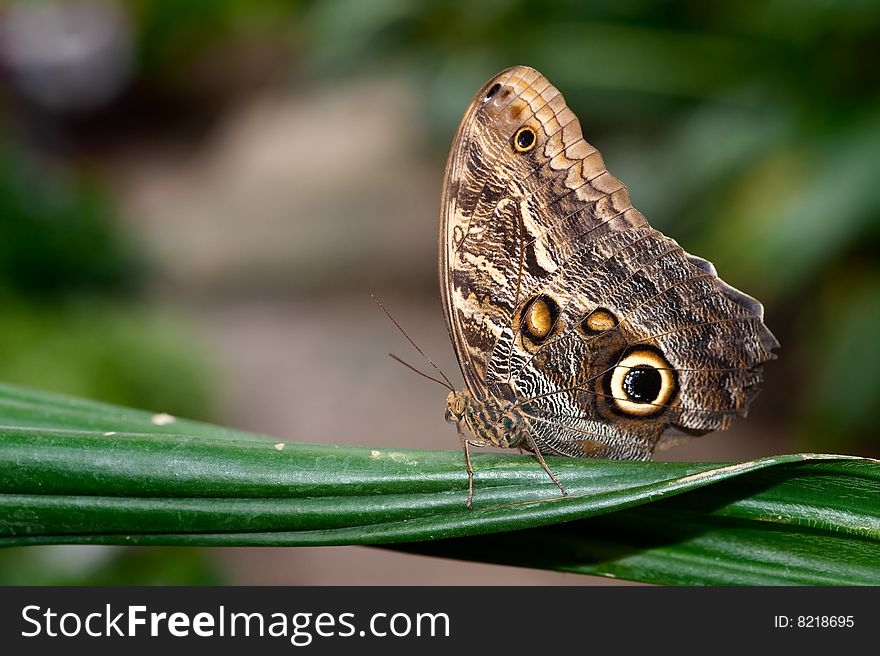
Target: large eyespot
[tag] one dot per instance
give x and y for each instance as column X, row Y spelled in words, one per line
column 538, row 319
column 642, row 383
column 525, row 139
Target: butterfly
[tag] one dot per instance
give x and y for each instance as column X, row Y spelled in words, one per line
column 580, row 330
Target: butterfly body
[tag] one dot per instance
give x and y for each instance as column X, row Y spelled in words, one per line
column 491, row 421
column 580, row 330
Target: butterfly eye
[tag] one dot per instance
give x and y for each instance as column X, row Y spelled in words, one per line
column 492, row 91
column 525, row 139
column 538, row 318
column 641, row 384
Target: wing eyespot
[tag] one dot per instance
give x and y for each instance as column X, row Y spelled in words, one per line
column 642, row 383
column 525, row 139
column 538, row 321
column 491, row 92
column 598, row 321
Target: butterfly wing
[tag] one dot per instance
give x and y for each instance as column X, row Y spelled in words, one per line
column 478, row 260
column 560, row 298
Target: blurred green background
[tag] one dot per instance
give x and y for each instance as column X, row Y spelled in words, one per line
column 196, row 199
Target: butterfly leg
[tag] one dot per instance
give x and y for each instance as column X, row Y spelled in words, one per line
column 533, row 447
column 465, row 445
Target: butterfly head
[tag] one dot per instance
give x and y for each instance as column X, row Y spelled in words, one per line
column 456, row 405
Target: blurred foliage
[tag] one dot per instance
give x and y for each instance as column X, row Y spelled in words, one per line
column 73, row 565
column 69, row 324
column 175, row 32
column 106, row 349
column 851, row 355
column 56, row 231
column 68, row 284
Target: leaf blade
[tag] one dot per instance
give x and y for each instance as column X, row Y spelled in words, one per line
column 76, row 472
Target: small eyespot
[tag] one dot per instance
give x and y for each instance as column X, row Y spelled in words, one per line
column 642, row 383
column 538, row 318
column 525, row 139
column 492, row 91
column 598, row 321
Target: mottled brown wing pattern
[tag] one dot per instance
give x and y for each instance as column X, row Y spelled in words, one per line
column 591, row 332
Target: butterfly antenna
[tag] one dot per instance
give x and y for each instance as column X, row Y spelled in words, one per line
column 420, row 373
column 447, row 384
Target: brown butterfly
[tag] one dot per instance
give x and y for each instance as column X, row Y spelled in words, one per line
column 580, row 330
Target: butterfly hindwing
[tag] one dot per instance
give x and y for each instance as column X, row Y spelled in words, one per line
column 564, row 303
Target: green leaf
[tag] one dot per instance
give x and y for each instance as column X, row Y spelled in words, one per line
column 78, row 472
